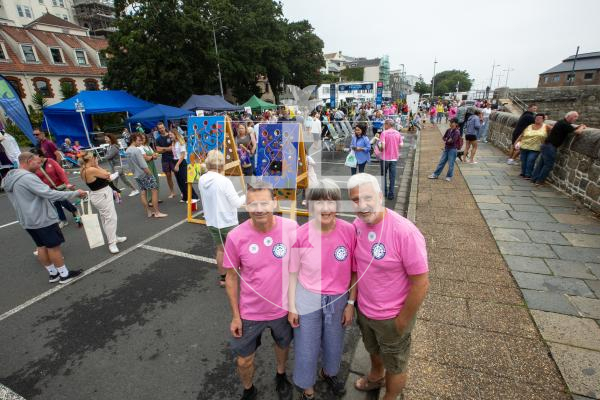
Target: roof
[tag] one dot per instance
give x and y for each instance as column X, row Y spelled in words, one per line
column 160, row 112
column 585, row 61
column 95, row 43
column 361, row 63
column 49, row 19
column 257, row 104
column 100, row 101
column 209, row 103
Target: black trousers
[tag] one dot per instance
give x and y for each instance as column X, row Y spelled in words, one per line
column 181, row 177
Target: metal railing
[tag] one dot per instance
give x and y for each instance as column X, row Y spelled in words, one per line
column 517, row 101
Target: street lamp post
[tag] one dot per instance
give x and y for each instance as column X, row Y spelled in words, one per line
column 80, row 108
column 218, row 65
column 507, row 70
column 433, row 79
column 494, row 65
column 402, row 93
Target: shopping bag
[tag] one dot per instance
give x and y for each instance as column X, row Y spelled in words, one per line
column 91, row 224
column 351, row 160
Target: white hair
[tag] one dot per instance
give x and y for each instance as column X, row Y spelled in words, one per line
column 571, row 113
column 363, row 179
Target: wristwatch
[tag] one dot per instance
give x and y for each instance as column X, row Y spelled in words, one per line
column 351, row 302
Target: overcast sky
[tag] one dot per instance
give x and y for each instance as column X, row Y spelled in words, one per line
column 528, row 36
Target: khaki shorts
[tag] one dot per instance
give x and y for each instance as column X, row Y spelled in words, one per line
column 219, row 235
column 382, row 337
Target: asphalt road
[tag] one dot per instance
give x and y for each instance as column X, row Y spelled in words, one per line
column 148, row 323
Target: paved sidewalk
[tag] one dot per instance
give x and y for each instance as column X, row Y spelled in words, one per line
column 552, row 246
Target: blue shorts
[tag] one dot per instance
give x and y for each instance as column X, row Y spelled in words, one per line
column 281, row 332
column 48, row 236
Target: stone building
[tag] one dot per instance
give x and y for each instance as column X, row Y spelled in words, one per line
column 587, row 71
column 49, row 52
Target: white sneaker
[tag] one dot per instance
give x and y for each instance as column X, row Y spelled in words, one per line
column 35, row 252
column 121, row 239
column 62, row 224
column 432, row 176
column 113, row 248
column 510, row 161
column 134, row 193
column 448, row 179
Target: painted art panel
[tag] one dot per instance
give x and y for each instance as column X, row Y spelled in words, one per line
column 205, row 134
column 277, row 154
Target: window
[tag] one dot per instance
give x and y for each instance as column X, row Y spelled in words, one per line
column 3, row 56
column 56, row 55
column 41, row 1
column 546, row 79
column 69, row 84
column 61, row 2
column 556, row 78
column 42, row 86
column 28, row 53
column 20, row 11
column 80, row 56
column 65, row 17
column 17, row 85
column 588, row 76
column 570, row 77
column 27, row 11
column 55, row 3
column 91, row 84
column 102, row 58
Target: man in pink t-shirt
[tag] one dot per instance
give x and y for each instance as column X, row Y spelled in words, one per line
column 389, row 144
column 392, row 273
column 256, row 258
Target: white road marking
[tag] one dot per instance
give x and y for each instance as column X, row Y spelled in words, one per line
column 89, row 271
column 179, row 254
column 9, row 224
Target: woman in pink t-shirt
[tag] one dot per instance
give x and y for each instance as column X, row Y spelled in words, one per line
column 321, row 289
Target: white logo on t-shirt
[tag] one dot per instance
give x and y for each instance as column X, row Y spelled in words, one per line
column 372, row 236
column 268, row 241
column 279, row 250
column 341, row 253
column 253, row 248
column 378, row 251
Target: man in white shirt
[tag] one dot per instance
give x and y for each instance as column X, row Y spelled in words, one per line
column 11, row 147
column 487, row 111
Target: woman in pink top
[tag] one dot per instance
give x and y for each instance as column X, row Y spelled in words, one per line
column 321, row 289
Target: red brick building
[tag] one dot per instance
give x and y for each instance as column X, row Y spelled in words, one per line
column 50, row 51
column 587, row 72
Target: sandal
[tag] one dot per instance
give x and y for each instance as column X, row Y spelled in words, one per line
column 365, row 385
column 222, row 280
column 159, row 215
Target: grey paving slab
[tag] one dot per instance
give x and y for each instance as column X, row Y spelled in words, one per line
column 559, row 227
column 584, row 254
column 576, row 287
column 555, row 202
column 570, row 269
column 563, row 210
column 547, row 237
column 595, row 286
column 575, row 219
column 527, row 264
column 588, row 307
column 583, row 240
column 549, row 301
column 511, row 192
column 511, row 235
column 579, row 367
column 526, row 249
column 567, row 329
column 531, row 216
column 528, row 208
column 507, row 223
column 551, row 194
column 492, row 206
column 595, row 268
column 517, row 200
column 477, row 187
column 489, row 192
column 578, row 397
column 491, row 214
column 487, row 199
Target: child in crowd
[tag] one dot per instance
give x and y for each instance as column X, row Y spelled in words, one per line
column 452, row 143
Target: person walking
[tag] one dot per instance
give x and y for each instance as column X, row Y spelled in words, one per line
column 452, row 144
column 473, row 125
column 391, row 265
column 439, row 112
column 526, row 119
column 150, row 155
column 180, row 168
column 321, row 290
column 32, row 201
column 220, row 203
column 485, row 127
column 257, row 256
column 143, row 176
column 46, row 145
column 432, row 114
column 164, row 147
column 557, row 136
column 362, row 148
column 53, row 175
column 389, row 144
column 113, row 156
column 530, row 142
column 101, row 195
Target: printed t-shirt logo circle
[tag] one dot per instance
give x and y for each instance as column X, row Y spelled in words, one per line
column 341, row 253
column 279, row 250
column 253, row 248
column 372, row 236
column 378, row 251
column 268, row 241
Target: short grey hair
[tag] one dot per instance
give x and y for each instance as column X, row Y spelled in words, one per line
column 25, row 156
column 363, row 179
column 215, row 160
column 571, row 113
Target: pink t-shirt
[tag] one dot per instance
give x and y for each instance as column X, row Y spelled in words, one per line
column 262, row 260
column 386, row 254
column 324, row 261
column 392, row 140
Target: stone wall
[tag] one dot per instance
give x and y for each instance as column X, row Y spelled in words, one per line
column 577, row 168
column 557, row 101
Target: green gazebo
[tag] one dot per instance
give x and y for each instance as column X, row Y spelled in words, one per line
column 258, row 105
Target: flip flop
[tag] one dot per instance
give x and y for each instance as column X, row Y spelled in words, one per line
column 365, row 385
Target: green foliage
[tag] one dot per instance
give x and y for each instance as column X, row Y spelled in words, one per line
column 67, row 90
column 36, row 115
column 163, row 50
column 352, row 74
column 329, row 78
column 422, row 88
column 445, row 82
column 19, row 136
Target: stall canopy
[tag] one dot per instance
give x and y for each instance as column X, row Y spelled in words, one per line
column 209, row 103
column 64, row 121
column 258, row 105
column 159, row 113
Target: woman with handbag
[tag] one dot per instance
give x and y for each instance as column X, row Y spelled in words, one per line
column 362, row 149
column 101, row 195
column 53, row 175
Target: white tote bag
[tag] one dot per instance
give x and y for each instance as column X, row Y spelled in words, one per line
column 91, row 224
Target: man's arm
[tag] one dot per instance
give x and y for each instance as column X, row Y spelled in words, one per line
column 580, row 129
column 232, row 285
column 419, row 284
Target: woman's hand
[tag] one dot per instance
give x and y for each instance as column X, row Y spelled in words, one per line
column 348, row 315
column 176, row 168
column 293, row 319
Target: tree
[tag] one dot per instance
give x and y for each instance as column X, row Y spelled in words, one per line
column 329, row 78
column 352, row 74
column 445, row 82
column 67, row 90
column 305, row 56
column 422, row 88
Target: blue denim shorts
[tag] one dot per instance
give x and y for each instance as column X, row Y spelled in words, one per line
column 281, row 332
